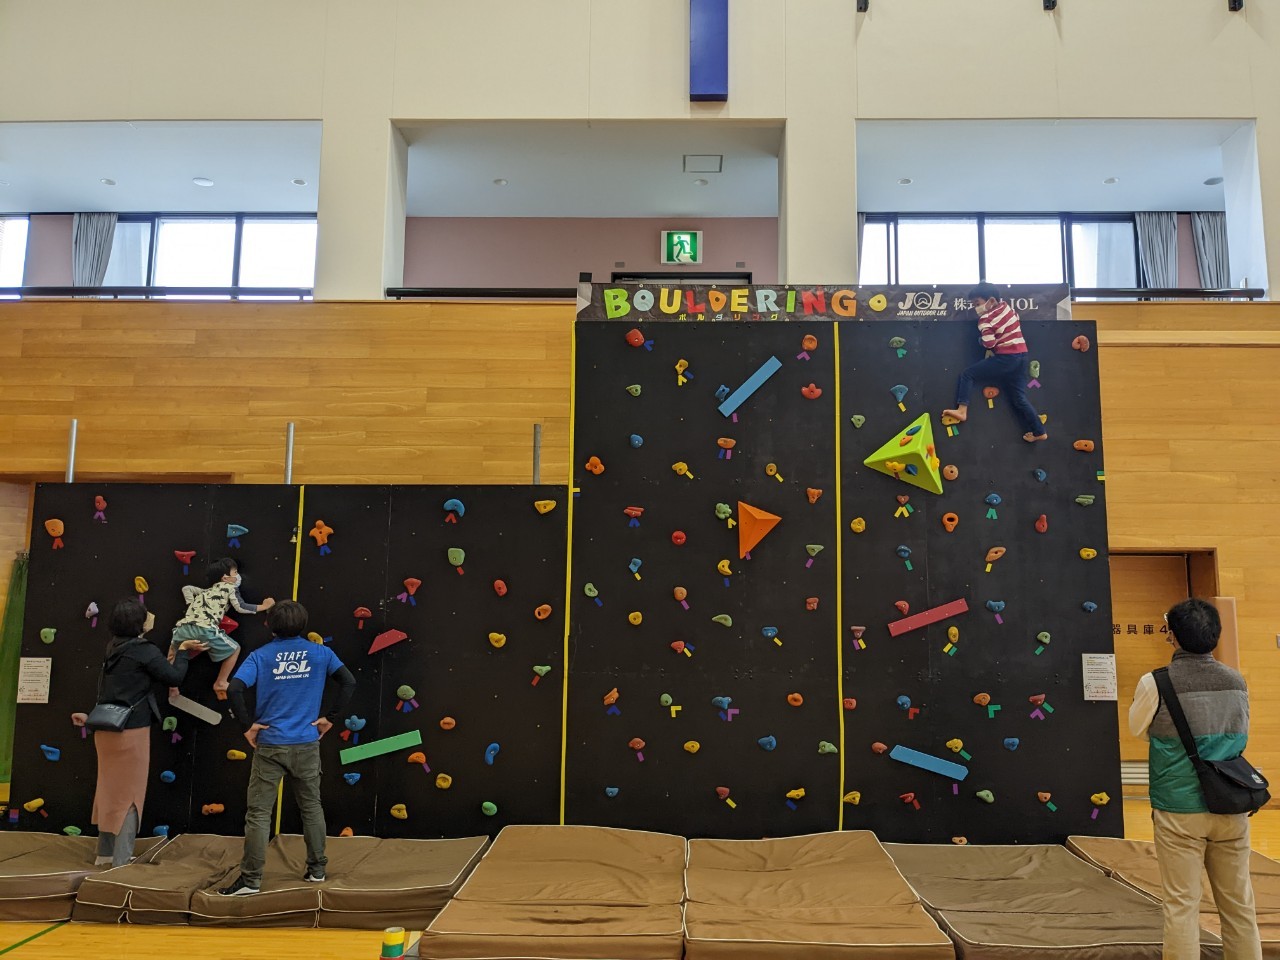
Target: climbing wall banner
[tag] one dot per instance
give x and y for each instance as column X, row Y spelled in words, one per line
column 673, row 301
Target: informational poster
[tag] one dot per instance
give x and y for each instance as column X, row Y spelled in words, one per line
column 33, row 679
column 1099, row 676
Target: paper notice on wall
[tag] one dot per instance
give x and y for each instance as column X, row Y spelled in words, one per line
column 1100, row 676
column 34, row 674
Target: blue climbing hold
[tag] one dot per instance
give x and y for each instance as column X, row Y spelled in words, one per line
column 351, row 778
column 1088, row 606
column 1011, row 743
column 161, row 831
column 912, row 469
column 490, row 752
column 903, row 551
column 769, row 632
column 610, row 791
column 236, row 530
column 354, row 723
column 51, row 753
column 454, row 505
column 899, row 391
column 992, row 499
column 167, row 776
column 1040, row 475
column 768, row 743
column 995, row 606
column 634, row 565
column 722, row 393
column 912, row 431
column 904, row 703
column 721, row 703
column 637, row 441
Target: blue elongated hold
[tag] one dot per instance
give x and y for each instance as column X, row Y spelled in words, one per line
column 634, row 565
column 769, row 632
column 768, row 743
column 912, row 431
column 912, row 469
column 904, row 703
column 903, row 551
column 454, row 505
column 1088, row 606
column 490, row 753
column 1040, row 475
column 161, row 831
column 1011, row 743
column 351, row 778
column 51, row 753
column 637, row 441
column 354, row 723
column 610, row 791
column 995, row 606
column 721, row 703
column 899, row 391
column 168, row 776
column 752, row 384
column 944, row 768
column 992, row 499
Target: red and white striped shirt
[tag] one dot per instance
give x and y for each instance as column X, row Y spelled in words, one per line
column 1001, row 331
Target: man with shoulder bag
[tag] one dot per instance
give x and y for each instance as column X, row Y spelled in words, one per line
column 1195, row 714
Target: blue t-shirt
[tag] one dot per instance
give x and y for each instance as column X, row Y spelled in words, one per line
column 289, row 674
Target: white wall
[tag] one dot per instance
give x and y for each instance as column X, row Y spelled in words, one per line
column 359, row 65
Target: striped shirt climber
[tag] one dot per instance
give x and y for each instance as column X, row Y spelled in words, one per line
column 1000, row 329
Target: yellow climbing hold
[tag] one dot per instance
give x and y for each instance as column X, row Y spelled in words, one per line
column 140, row 585
column 236, row 755
column 953, row 633
column 1087, row 553
column 635, row 618
column 955, row 746
column 498, row 640
column 315, row 638
column 443, row 781
column 692, row 746
column 796, row 794
column 1100, row 799
column 853, row 797
column 400, row 812
column 857, row 525
column 544, row 506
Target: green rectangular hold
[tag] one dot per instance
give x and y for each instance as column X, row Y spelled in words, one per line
column 377, row 748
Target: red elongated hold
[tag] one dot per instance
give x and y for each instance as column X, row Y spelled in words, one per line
column 1037, row 699
column 903, row 607
column 1042, row 524
column 722, row 792
column 500, row 587
column 633, row 511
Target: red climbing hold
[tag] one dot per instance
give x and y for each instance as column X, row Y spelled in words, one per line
column 635, row 338
column 811, row 392
column 903, row 607
column 1042, row 523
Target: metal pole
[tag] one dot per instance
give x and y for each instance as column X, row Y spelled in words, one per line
column 288, row 453
column 71, row 451
column 537, row 453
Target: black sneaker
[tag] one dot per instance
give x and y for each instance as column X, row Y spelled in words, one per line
column 314, row 875
column 239, row 889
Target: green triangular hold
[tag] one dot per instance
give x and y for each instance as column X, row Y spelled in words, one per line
column 813, row 549
column 541, row 670
column 895, row 457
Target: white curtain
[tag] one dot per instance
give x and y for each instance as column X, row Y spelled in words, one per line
column 1209, row 231
column 1157, row 249
column 91, row 236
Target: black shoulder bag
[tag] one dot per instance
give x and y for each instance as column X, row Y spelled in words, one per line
column 112, row 717
column 1230, row 786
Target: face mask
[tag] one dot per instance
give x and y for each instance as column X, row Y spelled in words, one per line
column 236, row 579
column 150, row 622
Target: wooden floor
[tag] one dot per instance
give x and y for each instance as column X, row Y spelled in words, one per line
column 77, row 941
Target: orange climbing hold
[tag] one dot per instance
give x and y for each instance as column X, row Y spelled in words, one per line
column 982, row 699
column 879, row 747
column 811, row 392
column 950, row 521
column 809, row 342
column 611, row 697
column 795, row 699
column 1084, row 446
column 813, row 493
column 593, row 465
column 212, row 809
column 542, row 611
column 447, row 723
column 754, row 525
column 320, row 533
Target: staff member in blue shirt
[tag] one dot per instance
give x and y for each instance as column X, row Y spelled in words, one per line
column 288, row 676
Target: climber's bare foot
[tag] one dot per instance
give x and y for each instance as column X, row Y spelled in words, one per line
column 959, row 413
column 1032, row 438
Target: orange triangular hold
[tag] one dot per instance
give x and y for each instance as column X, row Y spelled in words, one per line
column 754, row 525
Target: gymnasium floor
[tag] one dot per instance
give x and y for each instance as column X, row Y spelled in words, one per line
column 28, row 941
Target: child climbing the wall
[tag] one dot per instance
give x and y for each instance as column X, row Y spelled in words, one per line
column 205, row 610
column 1000, row 331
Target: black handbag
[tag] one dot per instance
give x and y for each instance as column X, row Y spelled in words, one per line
column 1230, row 786
column 112, row 717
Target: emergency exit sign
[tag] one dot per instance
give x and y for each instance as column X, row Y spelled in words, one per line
column 681, row 246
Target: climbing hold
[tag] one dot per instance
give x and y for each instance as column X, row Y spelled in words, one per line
column 420, row 758
column 903, row 607
column 849, row 703
column 400, row 811
column 498, row 640
column 899, row 392
column 447, row 723
column 680, row 593
column 405, row 692
column 992, row 500
column 456, row 556
column 610, row 791
column 809, row 342
column 990, row 393
column 455, row 506
column 312, row 636
column 995, row 606
column 353, row 723
column 55, row 528
column 634, row 338
column 796, row 794
column 986, row 796
column 724, row 569
column 1042, row 524
column 169, row 724
column 48, row 634
column 879, row 747
column 690, row 746
column 723, row 511
column 590, row 590
column 795, row 699
column 1037, row 699
column 950, row 471
column 1044, row 797
column 813, row 494
column 903, row 551
column 91, row 614
column 593, row 465
column 1034, row 368
column 351, row 778
column 635, row 743
column 955, row 746
column 666, row 700
column 811, row 603
column 634, row 389
column 1080, row 343
column 811, row 392
column 31, row 806
column 723, row 619
column 212, row 809
column 345, row 832
column 826, row 746
column 321, row 532
column 679, row 538
column 544, row 506
column 541, row 670
column 1040, row 475
column 443, row 781
column 857, row 631
column 994, row 554
column 167, row 776
column 950, row 521
column 1085, row 499
column 953, row 633
column 1088, row 606
column 767, row 743
column 721, row 703
column 858, row 420
column 500, row 587
column 635, row 565
column 236, row 755
column 853, row 797
column 1100, row 799
column 491, row 753
column 1043, row 637
column 769, row 633
column 722, row 793
column 636, row 441
column 542, row 611
column 1087, row 553
column 160, row 831
column 681, row 469
column 960, row 841
column 361, row 614
column 69, row 830
column 857, row 525
column 679, row 647
column 982, row 699
column 1084, row 446
column 1011, row 743
column 635, row 618
column 904, row 703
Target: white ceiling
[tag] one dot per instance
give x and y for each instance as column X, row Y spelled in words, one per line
column 1040, row 165
column 619, row 168
column 591, row 169
column 56, row 167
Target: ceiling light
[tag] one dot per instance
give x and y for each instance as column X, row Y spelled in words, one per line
column 202, row 181
column 904, row 182
column 1111, row 180
column 700, row 182
column 298, row 182
column 704, row 163
column 500, row 182
column 1213, row 181
column 107, row 181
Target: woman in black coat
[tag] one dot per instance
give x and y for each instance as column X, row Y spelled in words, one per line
column 132, row 669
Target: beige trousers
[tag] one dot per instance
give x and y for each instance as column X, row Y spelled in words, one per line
column 1188, row 844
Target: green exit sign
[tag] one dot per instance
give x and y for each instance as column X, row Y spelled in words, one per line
column 681, row 246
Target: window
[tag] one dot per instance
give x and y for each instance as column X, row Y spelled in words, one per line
column 1023, row 249
column 278, row 253
column 13, row 251
column 1103, row 253
column 874, row 260
column 195, row 252
column 130, row 263
column 938, row 250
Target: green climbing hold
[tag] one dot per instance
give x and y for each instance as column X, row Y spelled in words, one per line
column 825, row 746
column 723, row 619
column 986, row 796
column 634, row 389
column 406, row 692
column 666, row 700
column 456, row 556
column 858, row 420
column 48, row 634
column 723, row 511
column 488, row 808
column 1043, row 636
column 813, row 549
column 590, row 590
column 1085, row 499
column 71, row 831
column 541, row 670
column 1035, row 369
column 169, row 724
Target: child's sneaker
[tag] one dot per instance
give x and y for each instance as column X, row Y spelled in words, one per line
column 239, row 889
column 314, row 875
